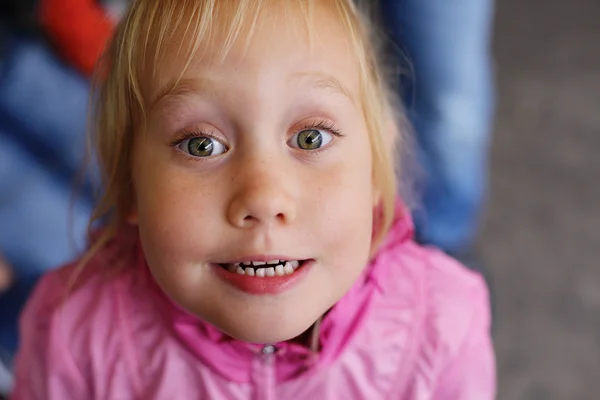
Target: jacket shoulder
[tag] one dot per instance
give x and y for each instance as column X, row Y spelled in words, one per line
column 70, row 319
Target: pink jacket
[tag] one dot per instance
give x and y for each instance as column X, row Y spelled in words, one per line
column 414, row 326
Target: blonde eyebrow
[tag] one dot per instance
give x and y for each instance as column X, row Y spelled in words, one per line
column 322, row 80
column 207, row 87
column 183, row 87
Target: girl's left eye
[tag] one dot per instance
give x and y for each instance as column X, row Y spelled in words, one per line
column 311, row 139
column 202, row 146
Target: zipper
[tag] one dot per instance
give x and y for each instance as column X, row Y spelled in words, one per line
column 263, row 373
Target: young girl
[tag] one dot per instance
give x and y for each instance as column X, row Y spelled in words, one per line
column 252, row 247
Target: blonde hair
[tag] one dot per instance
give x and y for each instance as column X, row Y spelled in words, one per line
column 151, row 28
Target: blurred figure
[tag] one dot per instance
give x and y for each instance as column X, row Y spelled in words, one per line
column 43, row 119
column 42, row 126
column 449, row 97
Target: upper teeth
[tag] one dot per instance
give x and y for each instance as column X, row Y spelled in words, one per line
column 261, row 263
column 264, row 269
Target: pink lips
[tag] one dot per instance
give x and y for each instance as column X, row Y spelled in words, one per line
column 263, row 285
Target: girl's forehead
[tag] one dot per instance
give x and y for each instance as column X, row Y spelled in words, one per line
column 276, row 43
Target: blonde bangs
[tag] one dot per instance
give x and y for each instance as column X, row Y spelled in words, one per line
column 156, row 32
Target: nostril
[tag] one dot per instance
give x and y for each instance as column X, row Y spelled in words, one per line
column 249, row 220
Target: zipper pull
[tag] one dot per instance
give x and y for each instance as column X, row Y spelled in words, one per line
column 269, row 350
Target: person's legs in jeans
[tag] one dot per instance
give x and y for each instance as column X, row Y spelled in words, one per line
column 450, row 104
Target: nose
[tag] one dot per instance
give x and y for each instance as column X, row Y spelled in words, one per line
column 261, row 197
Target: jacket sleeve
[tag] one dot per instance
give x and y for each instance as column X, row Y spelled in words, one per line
column 44, row 367
column 470, row 374
column 79, row 28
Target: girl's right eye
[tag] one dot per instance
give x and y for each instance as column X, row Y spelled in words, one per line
column 202, row 146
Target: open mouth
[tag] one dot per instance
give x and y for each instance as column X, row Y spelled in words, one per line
column 264, row 269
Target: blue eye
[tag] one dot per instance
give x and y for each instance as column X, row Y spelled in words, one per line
column 311, row 139
column 202, row 146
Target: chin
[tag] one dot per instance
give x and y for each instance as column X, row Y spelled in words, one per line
column 266, row 332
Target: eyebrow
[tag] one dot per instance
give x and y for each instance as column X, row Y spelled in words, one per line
column 322, row 80
column 208, row 87
column 182, row 87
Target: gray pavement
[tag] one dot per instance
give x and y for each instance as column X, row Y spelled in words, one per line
column 541, row 234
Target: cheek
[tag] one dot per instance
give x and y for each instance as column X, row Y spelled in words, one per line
column 172, row 221
column 173, row 215
column 346, row 210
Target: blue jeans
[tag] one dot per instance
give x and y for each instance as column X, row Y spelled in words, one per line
column 43, row 107
column 449, row 97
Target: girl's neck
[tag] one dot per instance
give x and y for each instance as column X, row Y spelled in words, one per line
column 310, row 337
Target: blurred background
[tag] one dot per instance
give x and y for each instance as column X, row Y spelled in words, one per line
column 540, row 238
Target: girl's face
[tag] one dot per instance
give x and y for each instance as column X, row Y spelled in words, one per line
column 259, row 158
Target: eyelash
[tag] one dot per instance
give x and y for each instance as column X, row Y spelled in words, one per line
column 322, row 125
column 190, row 134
